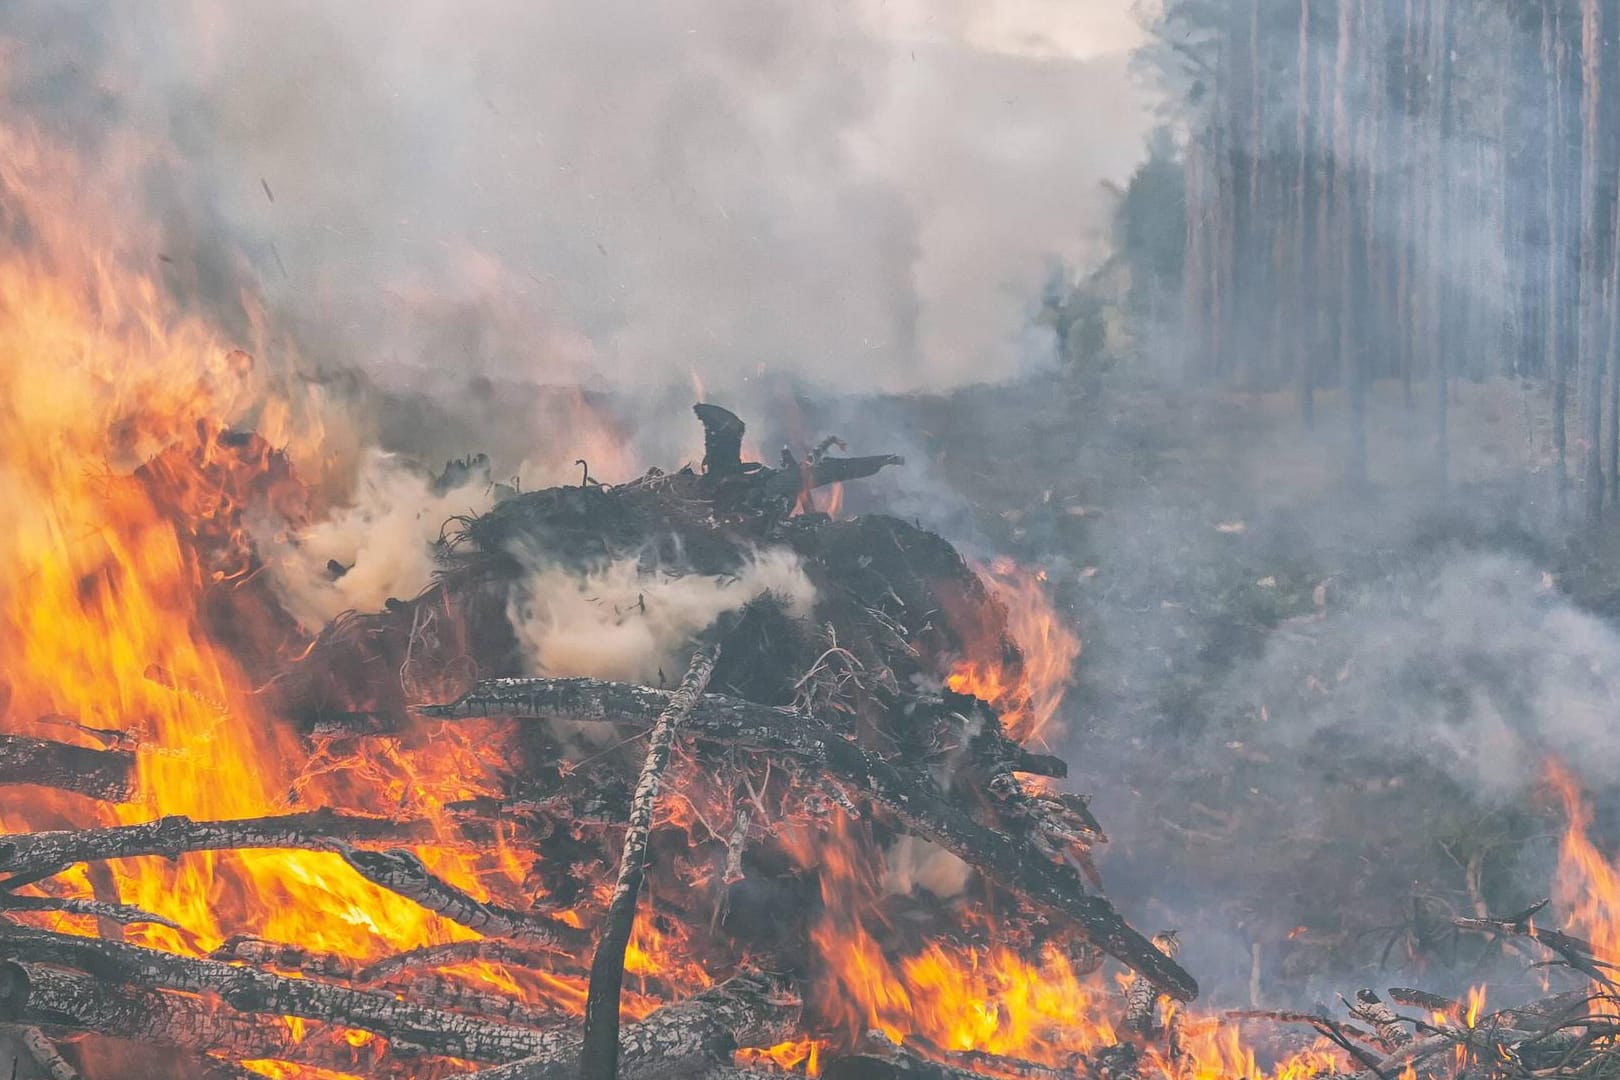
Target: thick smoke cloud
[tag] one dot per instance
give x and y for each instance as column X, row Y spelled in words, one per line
column 622, row 193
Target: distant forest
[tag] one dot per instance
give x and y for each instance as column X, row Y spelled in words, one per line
column 1345, row 191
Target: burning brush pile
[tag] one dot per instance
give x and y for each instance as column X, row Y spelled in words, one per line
column 679, row 777
column 772, row 808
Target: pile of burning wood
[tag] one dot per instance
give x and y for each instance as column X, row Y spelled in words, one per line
column 690, row 856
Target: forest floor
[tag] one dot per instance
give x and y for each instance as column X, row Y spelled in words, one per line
column 1314, row 714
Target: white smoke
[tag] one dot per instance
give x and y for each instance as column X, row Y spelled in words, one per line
column 625, row 623
column 863, row 195
column 384, row 536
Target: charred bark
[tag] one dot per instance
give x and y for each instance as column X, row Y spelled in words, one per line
column 434, row 1031
column 399, row 871
column 31, row 856
column 600, row 1053
column 909, row 794
column 701, row 1032
column 108, row 775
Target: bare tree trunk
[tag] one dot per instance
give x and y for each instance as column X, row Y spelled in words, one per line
column 1304, row 359
column 1343, row 181
column 1552, row 43
column 1591, row 356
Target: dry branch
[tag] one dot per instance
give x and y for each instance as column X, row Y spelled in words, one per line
column 399, row 871
column 910, row 795
column 699, row 1033
column 108, row 775
column 599, row 1056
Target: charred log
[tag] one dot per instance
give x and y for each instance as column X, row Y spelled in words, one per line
column 108, row 775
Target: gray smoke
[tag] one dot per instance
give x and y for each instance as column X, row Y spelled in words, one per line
column 621, row 194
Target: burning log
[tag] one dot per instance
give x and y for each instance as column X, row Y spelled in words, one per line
column 909, row 794
column 399, row 871
column 600, row 1054
column 701, row 1032
column 1391, row 1028
column 31, row 856
column 433, row 1031
column 1142, row 999
column 108, row 775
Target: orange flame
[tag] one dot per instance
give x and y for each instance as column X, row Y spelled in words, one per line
column 1030, row 698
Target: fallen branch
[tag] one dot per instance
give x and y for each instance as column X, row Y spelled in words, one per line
column 108, row 775
column 912, row 796
column 54, row 997
column 459, row 952
column 28, row 857
column 599, row 1056
column 433, row 1031
column 697, row 1034
column 46, row 1055
column 401, row 872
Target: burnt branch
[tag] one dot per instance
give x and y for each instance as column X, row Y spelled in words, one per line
column 910, row 794
column 108, row 775
column 46, row 1055
column 459, row 952
column 600, row 1054
column 399, row 871
column 61, row 998
column 28, row 857
column 701, row 1032
column 432, row 1030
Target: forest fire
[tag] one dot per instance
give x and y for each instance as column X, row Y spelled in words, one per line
column 397, row 844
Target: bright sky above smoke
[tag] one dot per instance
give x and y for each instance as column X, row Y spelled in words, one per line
column 864, row 193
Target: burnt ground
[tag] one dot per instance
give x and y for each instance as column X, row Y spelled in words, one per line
column 1313, row 714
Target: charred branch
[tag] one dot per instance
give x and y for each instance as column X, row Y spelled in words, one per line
column 910, row 795
column 247, row 990
column 108, row 775
column 31, row 856
column 700, row 1033
column 600, row 1053
column 61, row 998
column 459, row 952
column 399, row 871
column 46, row 1055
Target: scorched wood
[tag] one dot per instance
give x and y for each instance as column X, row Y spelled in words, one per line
column 108, row 775
column 399, row 871
column 74, row 1002
column 600, row 1054
column 30, row 856
column 247, row 990
column 459, row 952
column 911, row 796
column 701, row 1032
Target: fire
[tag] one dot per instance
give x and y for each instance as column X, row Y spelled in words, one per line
column 115, row 452
column 1587, row 888
column 1029, row 699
